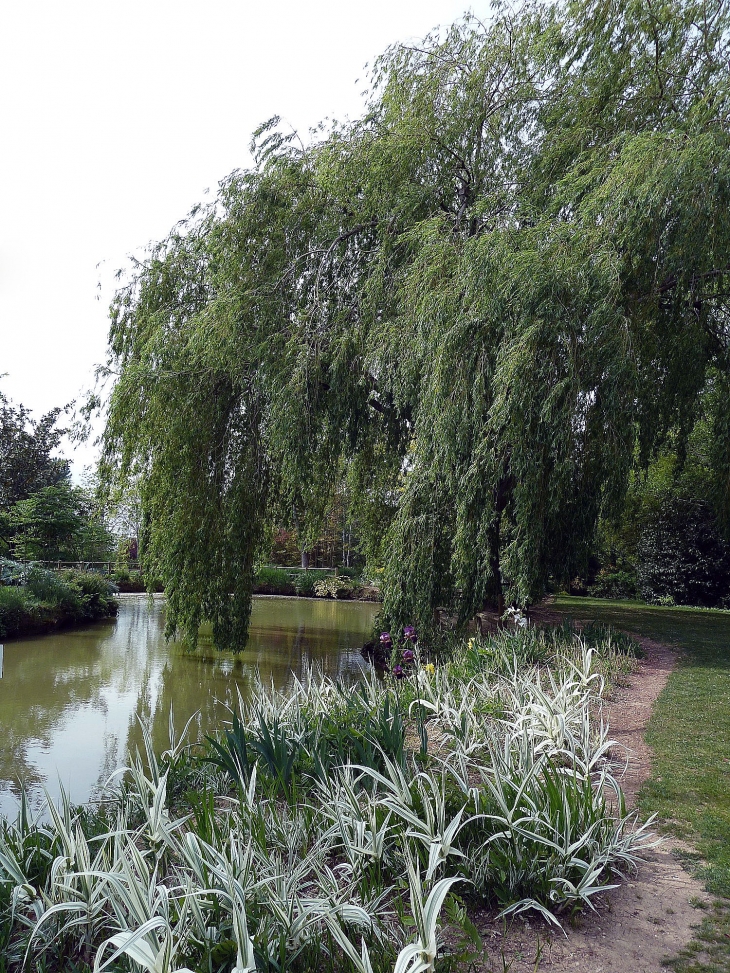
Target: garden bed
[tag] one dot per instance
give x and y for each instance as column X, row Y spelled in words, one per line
column 313, row 830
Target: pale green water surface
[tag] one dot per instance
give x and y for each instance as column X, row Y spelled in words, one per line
column 70, row 702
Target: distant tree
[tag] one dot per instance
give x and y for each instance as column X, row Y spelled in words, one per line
column 26, row 446
column 59, row 523
column 124, row 510
column 669, row 535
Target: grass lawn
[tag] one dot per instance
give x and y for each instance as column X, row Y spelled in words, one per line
column 690, row 735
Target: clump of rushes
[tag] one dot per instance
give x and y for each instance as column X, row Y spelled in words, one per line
column 322, row 830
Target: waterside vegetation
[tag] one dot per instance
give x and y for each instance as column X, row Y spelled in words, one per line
column 34, row 600
column 328, row 828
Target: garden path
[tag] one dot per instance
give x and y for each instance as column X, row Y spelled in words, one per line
column 651, row 916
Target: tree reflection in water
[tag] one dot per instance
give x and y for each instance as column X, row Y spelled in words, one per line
column 70, row 702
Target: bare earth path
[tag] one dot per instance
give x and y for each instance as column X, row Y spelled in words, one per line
column 649, row 918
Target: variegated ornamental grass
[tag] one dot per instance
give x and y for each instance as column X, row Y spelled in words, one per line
column 312, row 836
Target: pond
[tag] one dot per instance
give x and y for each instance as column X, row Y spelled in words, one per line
column 70, row 702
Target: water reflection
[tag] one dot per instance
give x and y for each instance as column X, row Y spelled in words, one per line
column 70, row 702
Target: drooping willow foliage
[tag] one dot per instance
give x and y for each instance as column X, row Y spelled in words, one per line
column 484, row 302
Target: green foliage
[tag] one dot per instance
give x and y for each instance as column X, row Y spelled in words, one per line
column 355, row 732
column 305, row 581
column 349, row 733
column 96, row 593
column 16, row 611
column 681, row 555
column 232, row 754
column 274, row 581
column 668, row 542
column 33, row 599
column 59, row 523
column 278, row 750
column 484, row 303
column 614, row 584
column 289, row 581
column 26, row 464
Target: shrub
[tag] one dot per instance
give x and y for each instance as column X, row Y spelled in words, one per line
column 54, row 589
column 38, row 598
column 96, row 593
column 16, row 611
column 12, row 572
column 305, row 581
column 682, row 555
column 614, row 584
column 273, row 581
column 333, row 587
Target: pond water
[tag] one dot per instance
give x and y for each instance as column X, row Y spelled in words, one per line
column 70, row 702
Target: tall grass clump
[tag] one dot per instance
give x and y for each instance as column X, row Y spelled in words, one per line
column 336, row 828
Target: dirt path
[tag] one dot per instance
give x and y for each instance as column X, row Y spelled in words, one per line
column 650, row 917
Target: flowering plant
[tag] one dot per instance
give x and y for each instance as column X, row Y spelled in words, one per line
column 517, row 617
column 403, row 652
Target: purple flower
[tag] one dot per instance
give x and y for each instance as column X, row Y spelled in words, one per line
column 408, row 655
column 398, row 672
column 385, row 637
column 409, row 631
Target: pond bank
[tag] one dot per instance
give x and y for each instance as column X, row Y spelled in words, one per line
column 48, row 603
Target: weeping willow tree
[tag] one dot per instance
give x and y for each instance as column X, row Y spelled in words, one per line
column 485, row 303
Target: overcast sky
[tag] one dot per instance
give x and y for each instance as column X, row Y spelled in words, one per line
column 116, row 117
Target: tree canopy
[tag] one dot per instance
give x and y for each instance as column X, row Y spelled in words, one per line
column 60, row 523
column 485, row 302
column 26, row 445
column 26, row 463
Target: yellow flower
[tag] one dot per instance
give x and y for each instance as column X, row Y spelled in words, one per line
column 471, row 643
column 430, row 668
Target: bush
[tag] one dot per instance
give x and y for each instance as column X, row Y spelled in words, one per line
column 273, row 581
column 287, row 581
column 305, row 581
column 681, row 555
column 54, row 590
column 333, row 587
column 16, row 611
column 614, row 584
column 37, row 599
column 96, row 594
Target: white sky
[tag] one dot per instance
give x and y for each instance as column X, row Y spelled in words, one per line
column 115, row 118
